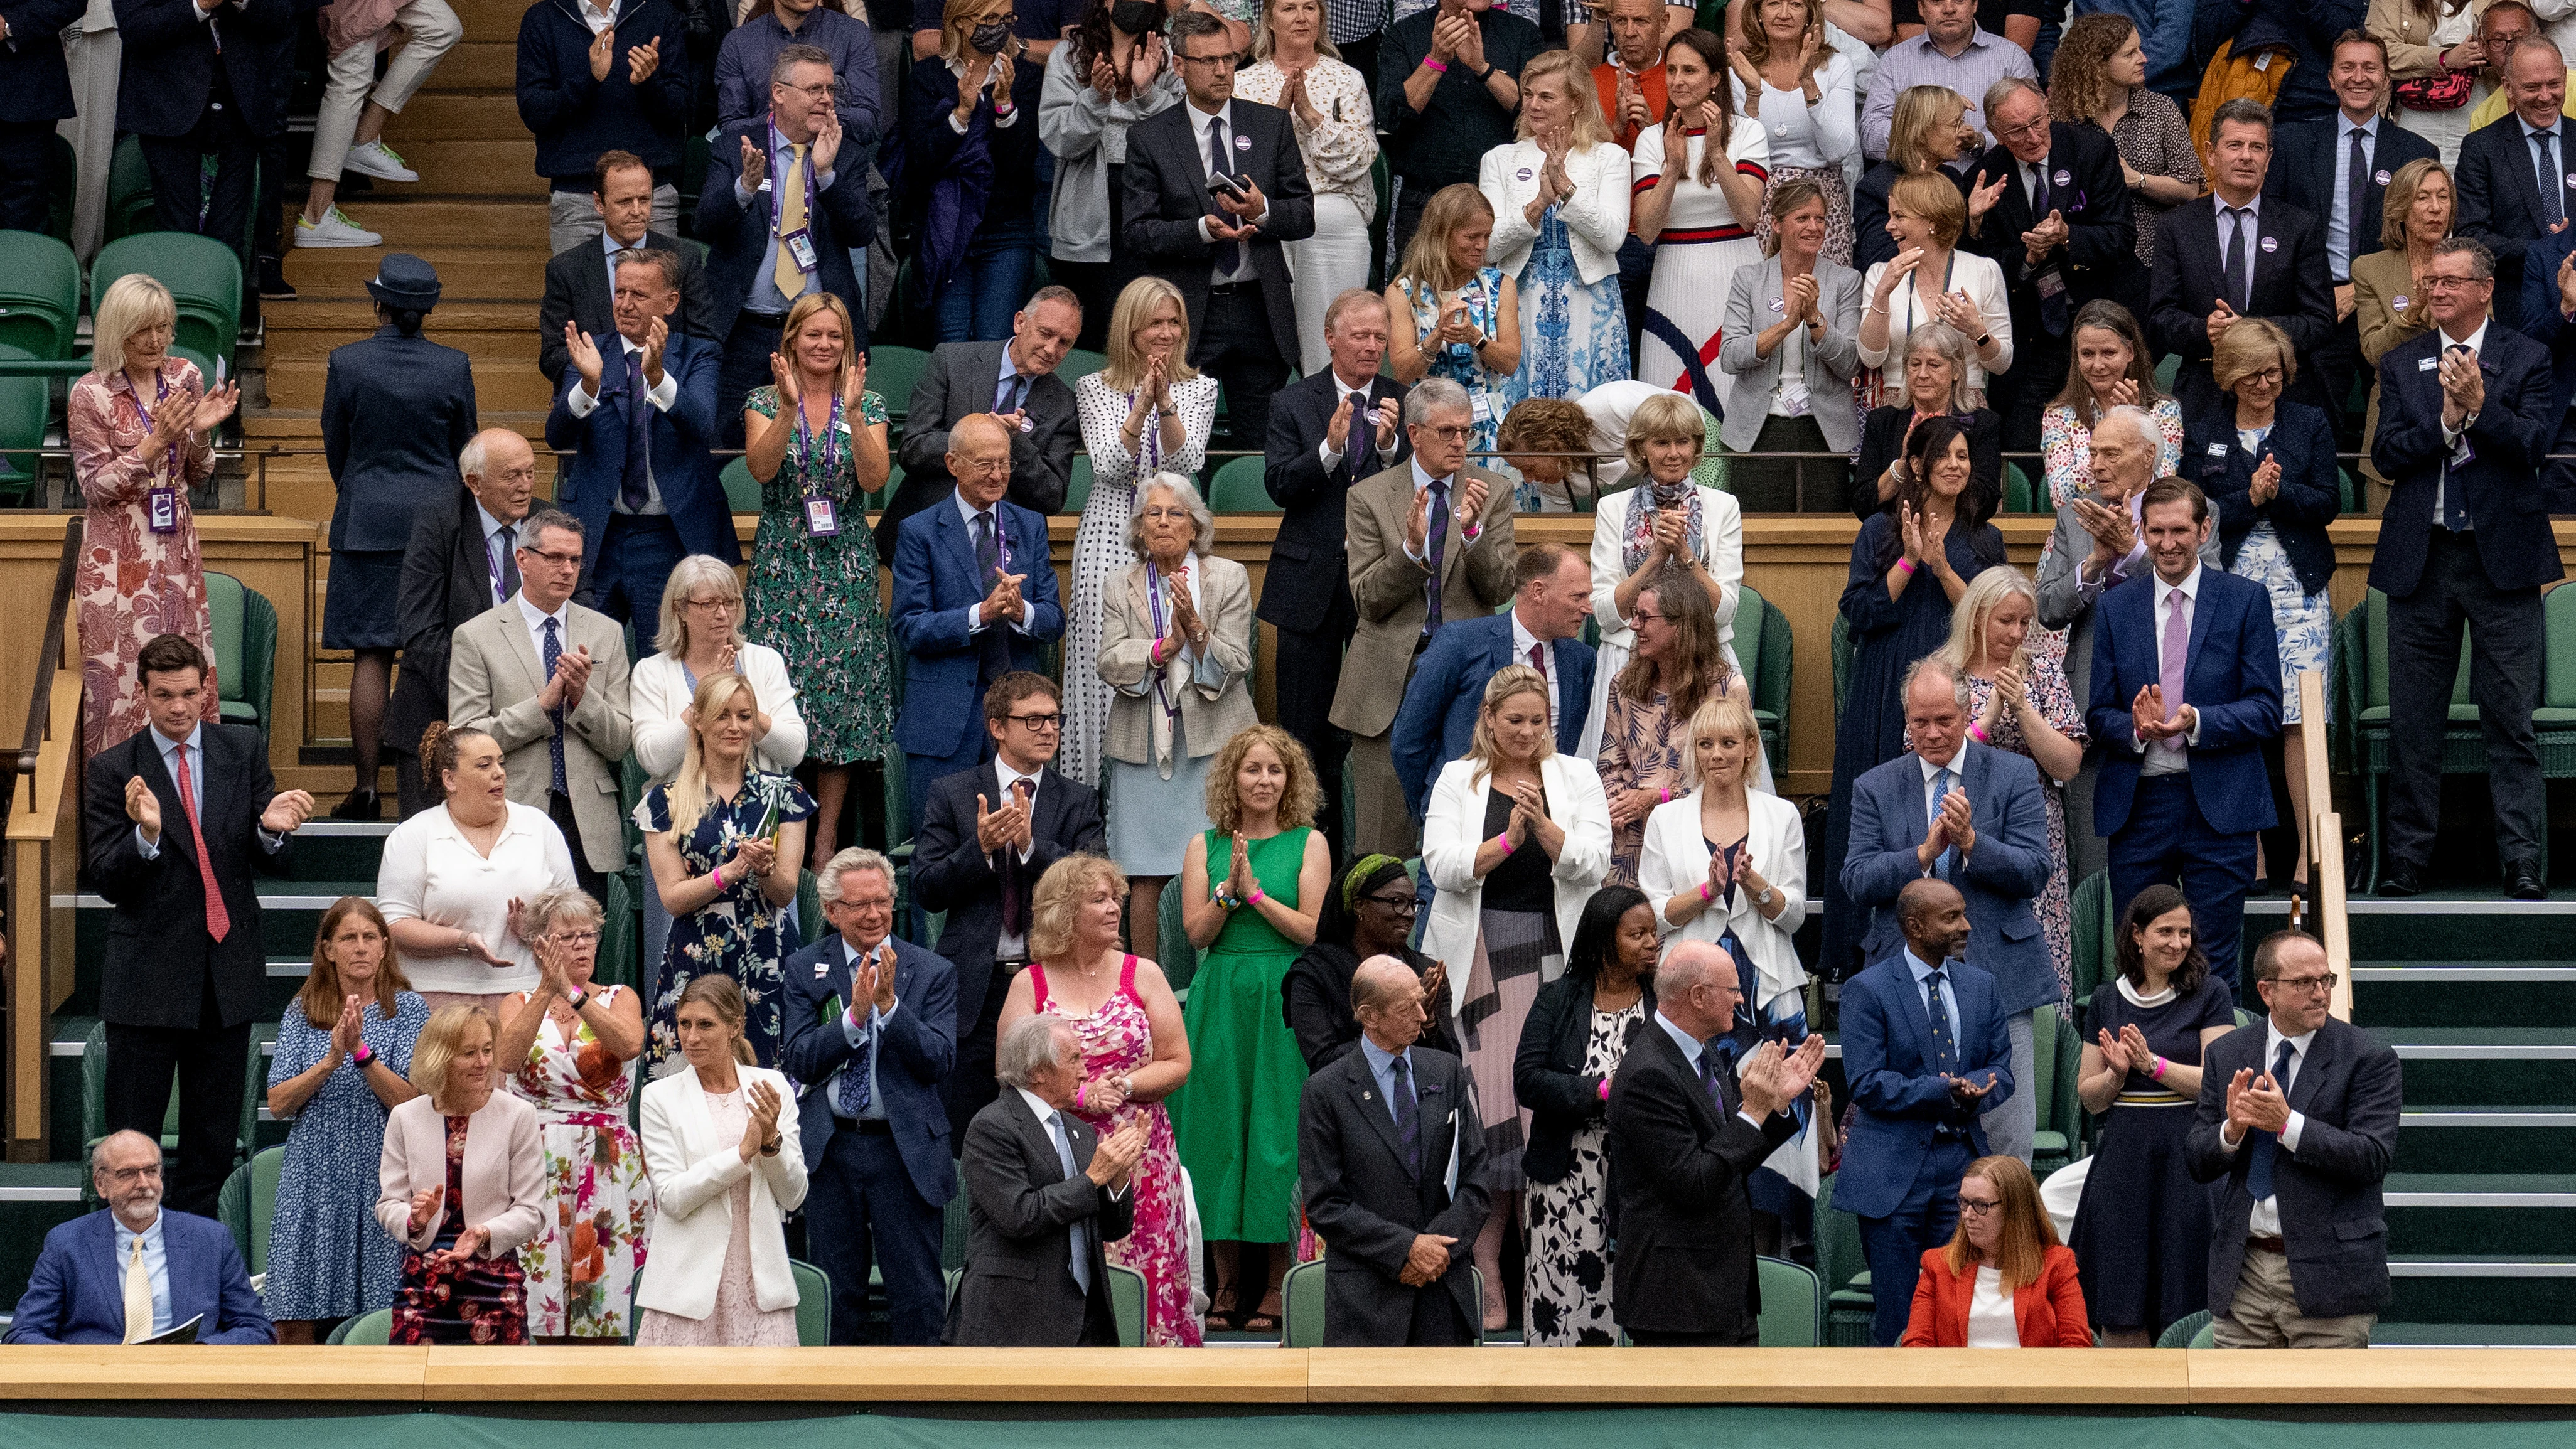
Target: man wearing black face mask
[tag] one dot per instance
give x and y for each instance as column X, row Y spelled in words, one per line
column 1115, row 70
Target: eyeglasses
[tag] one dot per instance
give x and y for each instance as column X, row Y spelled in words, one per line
column 576, row 938
column 1643, row 617
column 1177, row 515
column 2268, row 377
column 1395, row 902
column 2306, row 983
column 1219, row 62
column 2036, row 123
column 1458, row 434
column 716, row 606
column 1037, row 723
column 2438, row 282
column 1971, row 1208
column 559, row 560
column 822, row 92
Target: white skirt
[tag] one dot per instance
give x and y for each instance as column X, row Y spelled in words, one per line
column 1689, row 290
column 1322, row 267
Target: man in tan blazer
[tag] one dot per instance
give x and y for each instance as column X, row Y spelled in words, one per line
column 1432, row 517
column 546, row 679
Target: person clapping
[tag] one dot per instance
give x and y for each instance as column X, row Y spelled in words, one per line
column 461, row 1186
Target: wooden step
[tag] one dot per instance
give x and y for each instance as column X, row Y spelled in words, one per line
column 486, row 61
column 485, row 18
column 515, row 348
column 456, row 116
column 474, row 168
column 412, row 222
column 298, row 384
column 344, row 318
column 461, row 273
column 290, row 427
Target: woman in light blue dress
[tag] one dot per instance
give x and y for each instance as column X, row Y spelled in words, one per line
column 1455, row 317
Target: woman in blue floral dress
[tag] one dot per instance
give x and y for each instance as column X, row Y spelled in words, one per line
column 724, row 842
column 813, row 589
column 1453, row 317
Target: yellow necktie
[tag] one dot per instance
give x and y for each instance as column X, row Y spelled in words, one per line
column 791, row 217
column 138, row 1296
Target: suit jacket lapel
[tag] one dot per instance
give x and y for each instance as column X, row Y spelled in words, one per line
column 108, row 1273
column 1034, row 1133
column 956, row 539
column 523, row 646
column 2312, row 1070
column 2201, row 609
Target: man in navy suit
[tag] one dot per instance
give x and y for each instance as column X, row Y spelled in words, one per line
column 780, row 214
column 642, row 415
column 35, row 92
column 871, row 1030
column 2503, row 199
column 194, row 82
column 977, row 853
column 2464, row 431
column 2337, row 170
column 1969, row 814
column 131, row 1271
column 2237, row 254
column 974, row 596
column 2186, row 691
column 1551, row 599
column 1927, row 1053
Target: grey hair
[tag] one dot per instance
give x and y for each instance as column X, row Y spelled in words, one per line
column 2243, row 111
column 1033, row 1044
column 688, row 576
column 474, row 458
column 1202, row 522
column 1946, row 340
column 2003, row 90
column 2481, row 260
column 2141, row 423
column 664, row 262
column 793, row 56
column 1938, row 668
column 850, row 858
column 1433, row 394
column 558, row 906
column 98, row 1154
column 2536, row 38
column 534, row 526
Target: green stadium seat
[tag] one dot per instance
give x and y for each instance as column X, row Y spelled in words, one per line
column 694, row 149
column 2017, row 491
column 1172, row 949
column 94, row 1105
column 742, row 491
column 809, row 907
column 130, row 207
column 2184, row 1330
column 878, row 499
column 245, row 638
column 620, row 933
column 892, row 371
column 2167, row 371
column 23, row 408
column 1843, row 1267
column 2206, row 1336
column 368, row 1329
column 2054, row 1056
column 1077, row 490
column 1127, row 1304
column 1302, row 1294
column 1237, row 487
column 249, row 1203
column 813, row 1304
column 40, row 282
column 1079, row 364
column 203, row 275
column 1793, row 1304
column 1764, row 647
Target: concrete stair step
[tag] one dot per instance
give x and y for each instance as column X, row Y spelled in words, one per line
column 2484, row 1138
column 451, row 169
column 457, row 116
column 2483, row 1288
column 485, row 62
column 2480, row 1213
column 2464, row 993
column 2467, row 1065
column 2473, row 1335
column 346, row 317
column 515, row 347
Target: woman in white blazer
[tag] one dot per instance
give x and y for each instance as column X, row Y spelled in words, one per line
column 1666, row 521
column 1931, row 280
column 1560, row 199
column 461, row 1185
column 725, row 1173
column 1516, row 838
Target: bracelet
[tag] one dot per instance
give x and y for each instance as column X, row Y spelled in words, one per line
column 1977, row 732
column 1605, row 1089
column 1505, row 841
column 363, row 1055
column 1707, row 893
column 1429, row 64
column 1253, row 899
column 1664, row 796
column 1485, row 76
column 1905, row 566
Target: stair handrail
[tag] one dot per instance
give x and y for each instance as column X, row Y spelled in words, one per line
column 36, row 838
column 31, row 743
column 2325, row 842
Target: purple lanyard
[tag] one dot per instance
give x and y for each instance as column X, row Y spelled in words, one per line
column 160, row 395
column 1154, row 603
column 775, row 191
column 831, row 445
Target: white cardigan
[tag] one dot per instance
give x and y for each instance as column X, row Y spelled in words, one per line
column 693, row 1168
column 659, row 689
column 1721, row 536
column 1980, row 277
column 1596, row 215
column 1455, row 825
column 1676, row 860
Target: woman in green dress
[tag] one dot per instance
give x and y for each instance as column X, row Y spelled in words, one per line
column 1236, row 1120
column 813, row 590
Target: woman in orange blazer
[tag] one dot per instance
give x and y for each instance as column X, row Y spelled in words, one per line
column 2004, row 1281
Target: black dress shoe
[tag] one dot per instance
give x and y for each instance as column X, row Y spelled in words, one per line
column 357, row 805
column 2524, row 882
column 2400, row 881
column 273, row 286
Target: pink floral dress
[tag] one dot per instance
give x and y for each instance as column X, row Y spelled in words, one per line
column 1118, row 1039
column 133, row 583
column 581, row 1267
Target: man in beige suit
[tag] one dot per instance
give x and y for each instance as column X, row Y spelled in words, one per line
column 1428, row 541
column 546, row 679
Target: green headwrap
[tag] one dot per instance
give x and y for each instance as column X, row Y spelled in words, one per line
column 1357, row 878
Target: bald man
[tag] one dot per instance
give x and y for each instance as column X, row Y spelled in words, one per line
column 974, row 597
column 461, row 563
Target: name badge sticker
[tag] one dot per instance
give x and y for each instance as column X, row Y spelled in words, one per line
column 2427, row 364
column 1242, row 143
column 2064, row 178
column 822, row 520
column 2218, row 450
column 2571, row 180
column 2271, row 244
column 2398, row 301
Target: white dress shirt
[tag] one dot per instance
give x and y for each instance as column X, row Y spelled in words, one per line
column 862, row 1034
column 600, row 21
column 1013, row 945
column 2171, row 762
column 536, row 621
column 1691, row 1048
column 196, row 743
column 2265, row 1220
column 1223, row 119
column 1362, row 416
column 582, row 401
column 493, row 549
column 2253, row 209
column 1001, row 551
column 2476, row 342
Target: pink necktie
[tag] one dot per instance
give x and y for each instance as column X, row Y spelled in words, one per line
column 1538, row 661
column 2177, row 643
column 219, row 921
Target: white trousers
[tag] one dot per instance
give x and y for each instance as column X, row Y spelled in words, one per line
column 431, row 30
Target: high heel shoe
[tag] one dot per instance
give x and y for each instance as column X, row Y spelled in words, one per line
column 358, row 805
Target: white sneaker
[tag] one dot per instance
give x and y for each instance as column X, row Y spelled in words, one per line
column 376, row 159
column 334, row 230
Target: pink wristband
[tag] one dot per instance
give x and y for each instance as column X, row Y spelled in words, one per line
column 1505, row 841
column 1905, row 566
column 1253, row 899
column 2159, row 1072
column 1664, row 796
column 1977, row 732
column 1707, row 893
column 1078, row 1089
column 1605, row 1089
column 1431, row 64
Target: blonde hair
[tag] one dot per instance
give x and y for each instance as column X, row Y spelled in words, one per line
column 2242, row 352
column 1508, row 681
column 1936, row 199
column 687, row 792
column 441, row 1041
column 1977, row 603
column 2399, row 202
column 2025, row 1235
column 958, row 20
column 1296, row 803
column 1918, row 110
column 802, row 311
column 1137, row 303
column 1721, row 713
column 1587, row 125
column 719, row 994
column 133, row 302
column 1665, row 417
column 1426, row 258
column 1263, row 43
column 1060, row 892
column 688, row 576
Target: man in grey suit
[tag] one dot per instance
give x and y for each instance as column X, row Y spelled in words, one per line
column 1013, row 380
column 1043, row 1191
column 2298, row 1120
column 1388, row 1153
column 2101, row 542
column 1815, row 319
column 546, row 679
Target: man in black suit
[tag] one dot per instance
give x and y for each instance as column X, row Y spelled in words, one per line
column 35, row 92
column 1012, row 379
column 1389, row 1153
column 985, row 836
column 194, row 84
column 1220, row 246
column 1685, row 1133
column 2299, row 1117
column 461, row 563
column 185, row 969
column 1327, row 432
column 2465, row 421
column 1043, row 1191
column 2060, row 228
column 2237, row 254
column 2503, row 199
column 779, row 214
column 2337, row 170
column 581, row 280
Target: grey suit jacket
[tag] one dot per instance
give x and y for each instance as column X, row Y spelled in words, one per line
column 1018, row 1291
column 493, row 680
column 960, row 381
column 1475, row 578
column 1368, row 1204
column 1216, row 702
column 1753, row 303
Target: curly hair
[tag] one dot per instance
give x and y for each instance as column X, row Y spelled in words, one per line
column 1297, row 803
column 440, row 747
column 1060, row 893
column 2078, row 88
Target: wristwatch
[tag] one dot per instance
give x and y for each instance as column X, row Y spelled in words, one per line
column 1766, row 897
column 1485, row 75
column 1985, row 338
column 575, row 998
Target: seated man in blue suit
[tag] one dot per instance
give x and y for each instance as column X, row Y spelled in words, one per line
column 1969, row 814
column 870, row 1026
column 642, row 415
column 2186, row 689
column 1552, row 596
column 974, row 595
column 133, row 1269
column 1926, row 1053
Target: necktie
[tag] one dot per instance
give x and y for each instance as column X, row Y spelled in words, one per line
column 1438, row 548
column 138, row 1295
column 634, row 486
column 2040, row 203
column 1220, row 164
column 2177, row 647
column 790, row 278
column 2553, row 191
column 1712, row 1079
column 554, row 741
column 2240, row 263
column 1408, row 1115
column 219, row 922
column 2355, row 194
column 1015, row 897
column 988, row 557
column 505, row 578
column 1947, row 866
column 858, row 1074
column 2455, row 506
column 2054, row 314
column 1009, row 393
column 1360, row 456
column 1078, row 1232
column 2258, row 1172
column 1538, row 661
column 1945, row 1050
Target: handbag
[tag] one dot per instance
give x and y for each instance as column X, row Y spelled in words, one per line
column 2444, row 90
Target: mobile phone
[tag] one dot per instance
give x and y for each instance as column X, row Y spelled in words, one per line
column 1226, row 186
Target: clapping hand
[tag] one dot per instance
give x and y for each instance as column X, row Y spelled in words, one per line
column 755, row 165
column 1449, row 35
column 2566, row 287
column 1117, row 1156
column 2123, row 392
column 1455, row 327
column 1721, row 875
column 854, row 386
column 585, row 353
column 469, row 1246
column 2266, row 484
column 1417, row 524
column 1435, row 989
column 1966, row 1093
column 287, row 811
column 217, row 405
column 657, row 337
column 1185, row 615
column 1671, row 538
column 1982, row 198
column 2115, row 1051
column 1426, row 1261
column 1004, row 600
column 603, row 54
column 2114, row 532
column 760, row 1122
column 1471, row 503
column 1959, row 820
column 2133, row 1045
column 1101, row 1097
column 350, row 1028
column 782, row 375
column 1527, row 812
column 1337, row 433
column 1631, row 806
column 170, row 418
column 995, row 829
column 1915, row 533
column 1389, row 414
column 424, row 1205
column 571, row 678
column 2255, row 1103
column 753, row 855
column 1798, row 299
column 1146, row 61
column 476, row 949
column 643, row 60
column 2012, row 692
column 1773, row 1077
column 827, row 142
column 2464, row 388
column 2148, row 718
column 1240, row 882
column 143, row 808
column 1104, row 77
column 1960, row 311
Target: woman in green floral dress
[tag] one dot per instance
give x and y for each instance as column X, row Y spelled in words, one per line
column 813, row 590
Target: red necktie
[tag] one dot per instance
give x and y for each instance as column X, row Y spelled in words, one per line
column 219, row 921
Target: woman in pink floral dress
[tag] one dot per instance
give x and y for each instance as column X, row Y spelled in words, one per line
column 571, row 1049
column 1135, row 1053
column 139, row 422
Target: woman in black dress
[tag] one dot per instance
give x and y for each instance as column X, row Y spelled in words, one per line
column 1368, row 912
column 2142, row 1227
